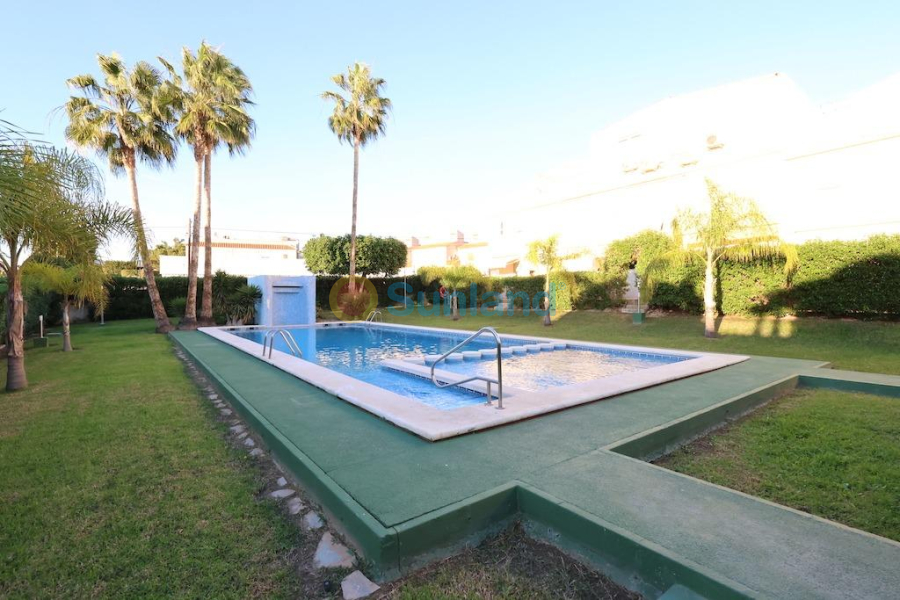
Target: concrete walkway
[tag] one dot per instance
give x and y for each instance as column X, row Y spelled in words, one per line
column 404, row 499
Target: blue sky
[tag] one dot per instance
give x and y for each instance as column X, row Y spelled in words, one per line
column 486, row 94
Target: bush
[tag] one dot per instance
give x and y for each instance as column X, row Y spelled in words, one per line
column 835, row 279
column 328, row 255
column 176, row 306
column 128, row 297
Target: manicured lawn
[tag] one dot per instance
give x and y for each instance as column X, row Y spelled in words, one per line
column 116, row 481
column 852, row 345
column 832, row 454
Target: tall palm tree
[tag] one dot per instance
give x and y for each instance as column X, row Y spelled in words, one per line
column 359, row 117
column 214, row 95
column 546, row 253
column 76, row 284
column 50, row 204
column 733, row 229
column 125, row 118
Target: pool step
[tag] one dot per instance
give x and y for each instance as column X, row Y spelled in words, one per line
column 491, row 353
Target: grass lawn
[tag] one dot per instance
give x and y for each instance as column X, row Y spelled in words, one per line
column 852, row 345
column 116, row 481
column 832, row 454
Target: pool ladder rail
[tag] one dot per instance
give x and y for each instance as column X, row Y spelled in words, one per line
column 374, row 316
column 269, row 340
column 498, row 381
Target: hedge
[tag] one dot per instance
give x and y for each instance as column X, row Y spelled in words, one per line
column 128, row 298
column 835, row 279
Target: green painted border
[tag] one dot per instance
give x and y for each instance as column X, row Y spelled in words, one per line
column 629, row 559
column 662, row 440
column 379, row 544
column 878, row 388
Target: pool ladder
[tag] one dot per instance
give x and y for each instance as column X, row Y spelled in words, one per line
column 498, row 381
column 269, row 340
column 374, row 315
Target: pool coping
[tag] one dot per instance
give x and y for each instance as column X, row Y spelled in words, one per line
column 434, row 424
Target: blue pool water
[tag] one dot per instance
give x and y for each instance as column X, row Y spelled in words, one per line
column 358, row 350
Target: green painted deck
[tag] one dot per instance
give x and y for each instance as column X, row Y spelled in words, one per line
column 574, row 476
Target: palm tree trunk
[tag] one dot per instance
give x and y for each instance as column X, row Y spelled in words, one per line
column 709, row 298
column 547, row 321
column 206, row 312
column 67, row 330
column 159, row 311
column 454, row 306
column 353, row 222
column 190, row 308
column 15, row 324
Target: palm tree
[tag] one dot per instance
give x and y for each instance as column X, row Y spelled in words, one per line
column 50, row 205
column 358, row 118
column 77, row 284
column 213, row 99
column 454, row 278
column 546, row 253
column 125, row 118
column 734, row 229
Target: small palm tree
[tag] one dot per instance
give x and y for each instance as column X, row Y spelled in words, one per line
column 359, row 117
column 454, row 278
column 77, row 284
column 51, row 204
column 212, row 100
column 734, row 229
column 546, row 253
column 125, row 118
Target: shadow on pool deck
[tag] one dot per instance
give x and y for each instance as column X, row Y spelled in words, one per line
column 574, row 477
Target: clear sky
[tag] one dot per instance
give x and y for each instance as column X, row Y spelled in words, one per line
column 486, row 94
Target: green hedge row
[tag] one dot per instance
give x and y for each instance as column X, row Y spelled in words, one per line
column 835, row 278
column 128, row 297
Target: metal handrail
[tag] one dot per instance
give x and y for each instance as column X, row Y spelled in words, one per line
column 269, row 340
column 374, row 315
column 487, row 380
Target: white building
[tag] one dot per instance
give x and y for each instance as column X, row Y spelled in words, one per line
column 829, row 172
column 243, row 257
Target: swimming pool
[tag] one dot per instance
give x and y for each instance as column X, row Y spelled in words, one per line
column 385, row 369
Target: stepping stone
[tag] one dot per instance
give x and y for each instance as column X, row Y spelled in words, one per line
column 281, row 482
column 295, row 505
column 213, row 396
column 282, row 493
column 226, row 412
column 356, row 586
column 237, row 428
column 312, row 521
column 331, row 554
column 242, row 435
column 249, row 442
column 219, row 405
column 256, row 452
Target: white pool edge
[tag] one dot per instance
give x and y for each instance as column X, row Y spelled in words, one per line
column 436, row 424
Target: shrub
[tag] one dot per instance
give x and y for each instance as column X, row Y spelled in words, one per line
column 176, row 306
column 329, row 255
